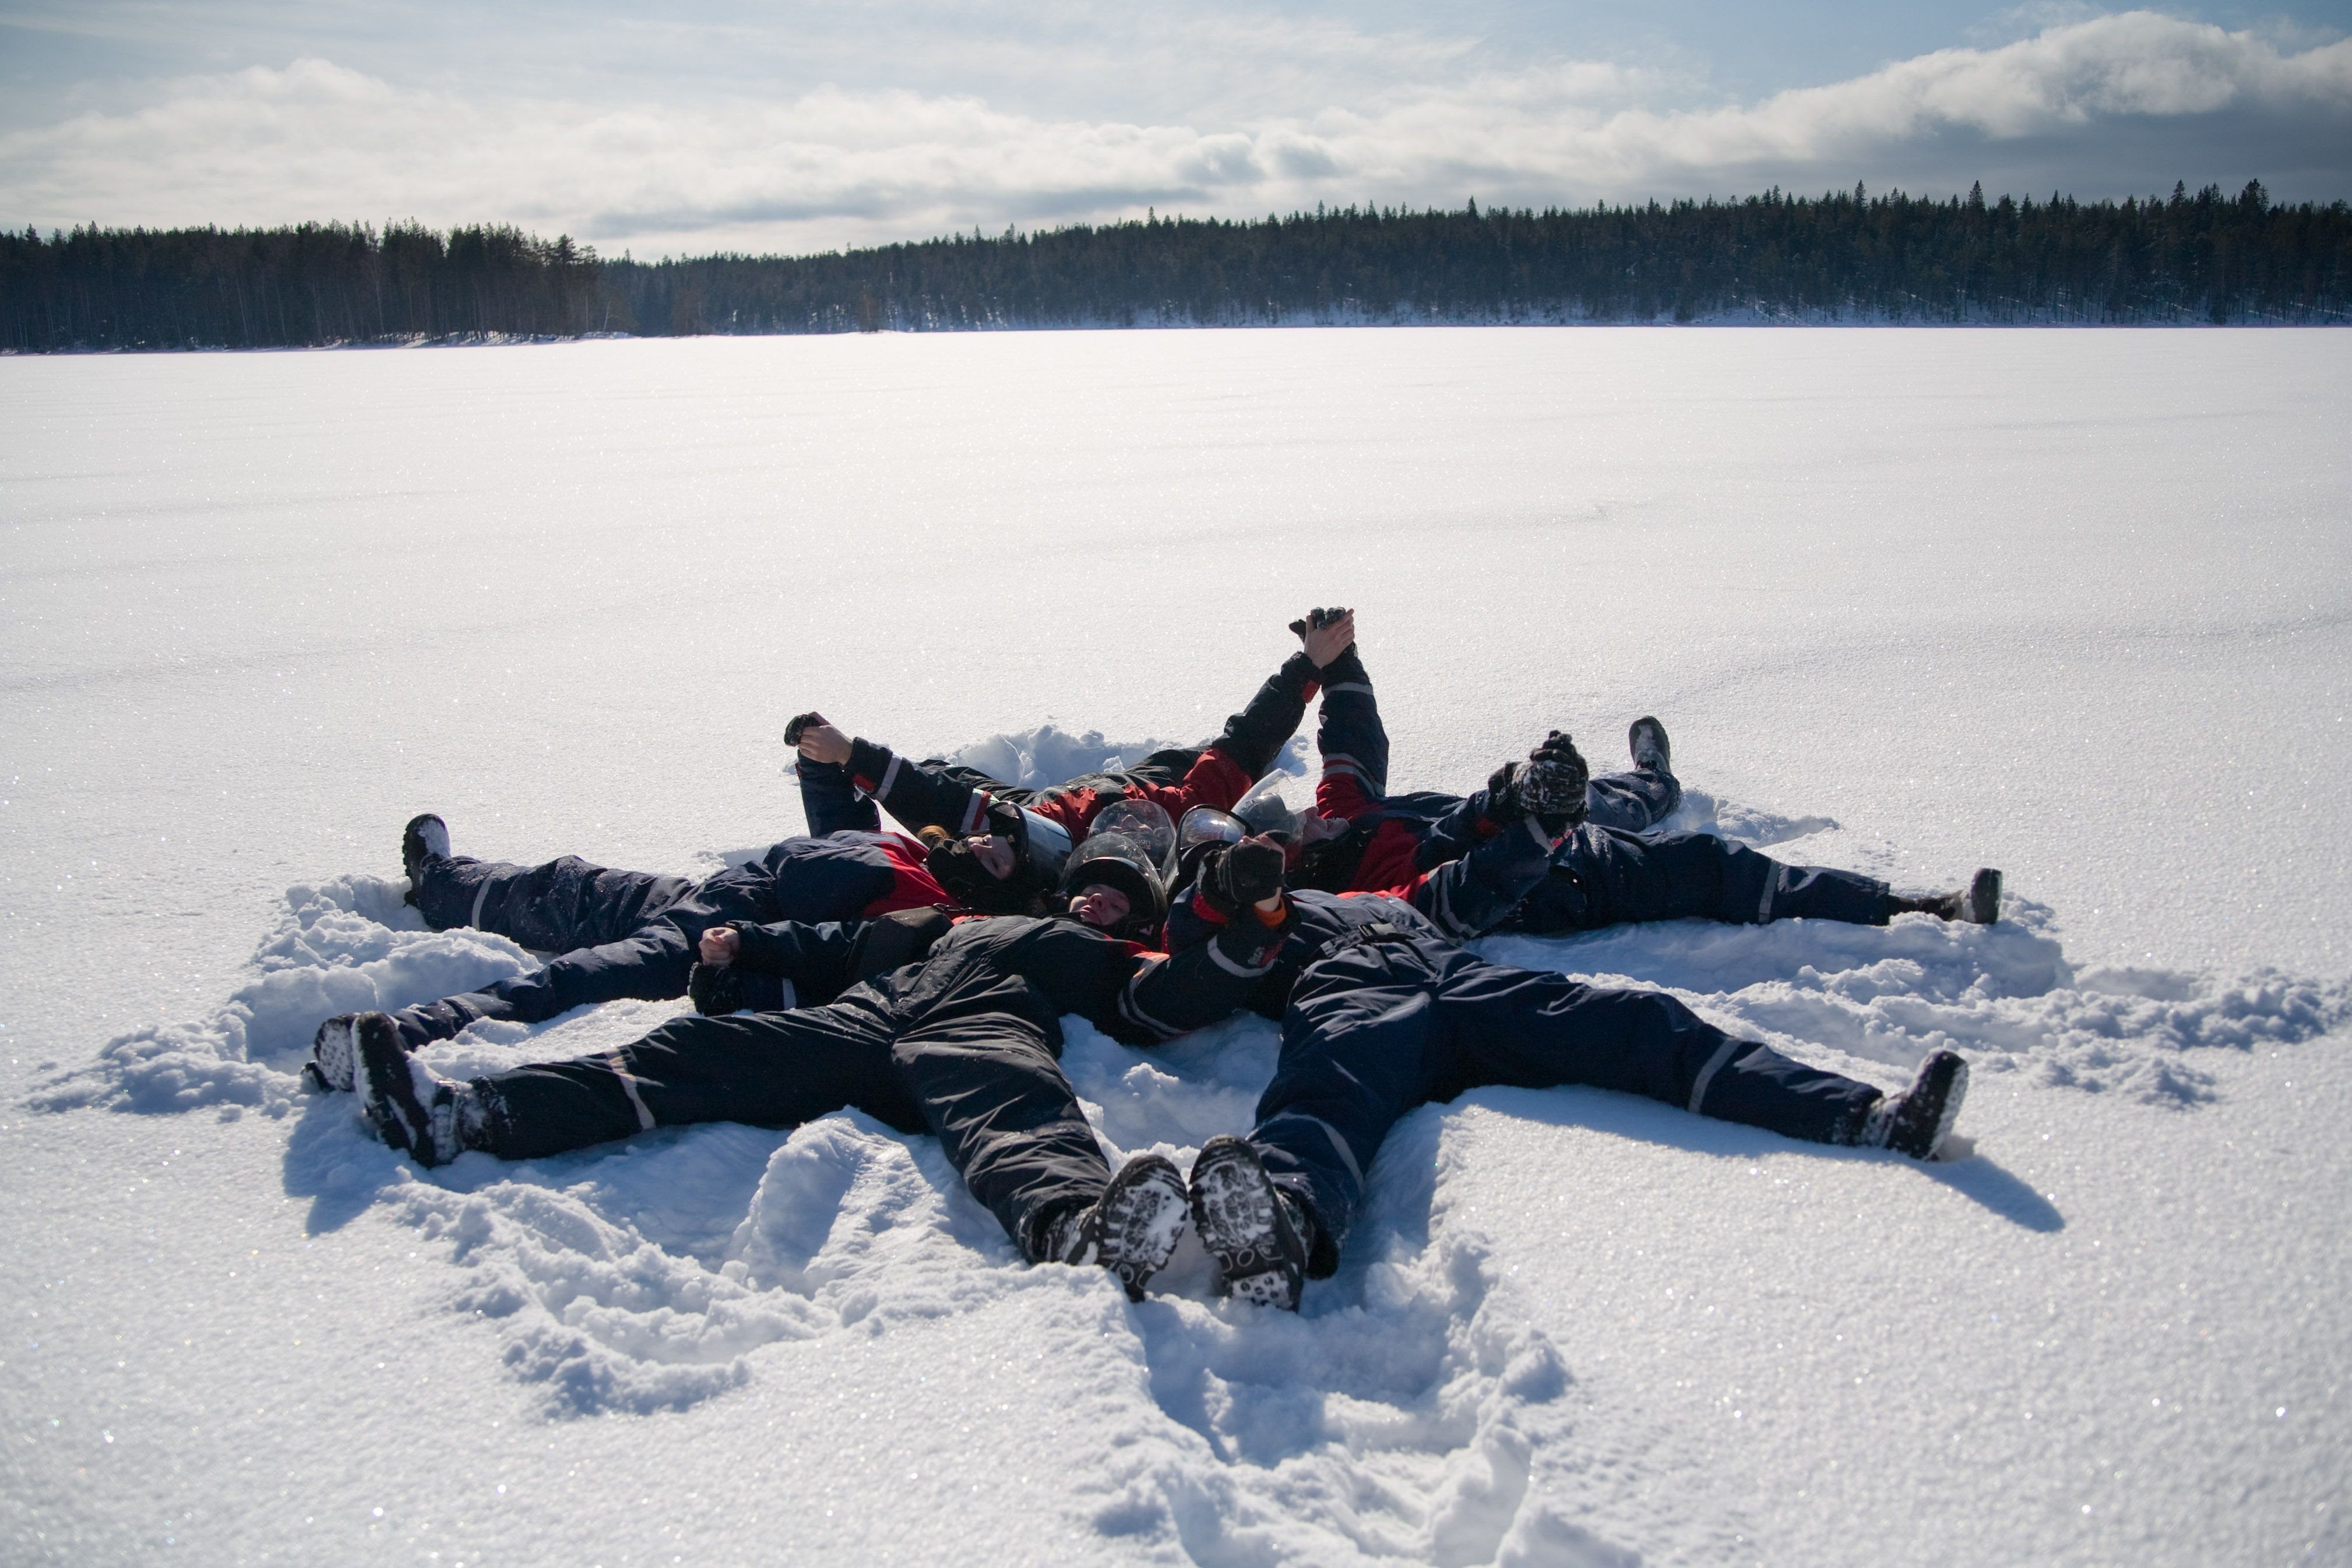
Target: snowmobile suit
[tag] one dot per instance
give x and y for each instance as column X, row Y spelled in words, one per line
column 1390, row 1020
column 1388, row 839
column 938, row 794
column 1602, row 877
column 965, row 1045
column 1458, row 901
column 1604, row 871
column 620, row 934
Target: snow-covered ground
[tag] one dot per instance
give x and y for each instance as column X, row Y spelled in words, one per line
column 2075, row 604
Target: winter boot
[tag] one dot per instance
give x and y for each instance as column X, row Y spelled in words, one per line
column 334, row 1053
column 1647, row 741
column 1915, row 1121
column 432, row 1118
column 1131, row 1229
column 427, row 838
column 1978, row 904
column 1251, row 1227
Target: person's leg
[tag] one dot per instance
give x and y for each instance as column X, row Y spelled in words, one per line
column 1639, row 800
column 1536, row 1030
column 1600, row 878
column 652, row 965
column 768, row 1070
column 1357, row 1046
column 988, row 1085
column 553, row 907
column 1632, row 802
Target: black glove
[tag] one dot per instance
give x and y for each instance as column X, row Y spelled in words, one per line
column 797, row 723
column 1315, row 618
column 715, row 988
column 1240, row 874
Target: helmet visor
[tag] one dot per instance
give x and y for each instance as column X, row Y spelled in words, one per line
column 1143, row 822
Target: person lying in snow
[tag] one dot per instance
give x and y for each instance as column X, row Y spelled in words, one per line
column 1382, row 1010
column 619, row 934
column 1000, row 847
column 963, row 1044
column 1607, row 870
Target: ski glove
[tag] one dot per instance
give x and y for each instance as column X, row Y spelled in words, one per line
column 1238, row 875
column 715, row 988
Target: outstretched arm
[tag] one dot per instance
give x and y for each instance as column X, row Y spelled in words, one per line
column 1348, row 733
column 919, row 797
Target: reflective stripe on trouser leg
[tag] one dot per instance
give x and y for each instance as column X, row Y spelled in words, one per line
column 1714, row 1065
column 629, row 1086
column 1346, row 1156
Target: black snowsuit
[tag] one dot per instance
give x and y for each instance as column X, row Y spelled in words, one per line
column 1391, row 837
column 963, row 1045
column 620, row 934
column 1384, row 1011
column 1610, row 870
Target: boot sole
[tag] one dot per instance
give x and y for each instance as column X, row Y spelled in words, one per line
column 1144, row 1213
column 1234, row 1208
column 1981, row 903
column 402, row 1120
column 1956, row 1091
column 1634, row 743
column 334, row 1058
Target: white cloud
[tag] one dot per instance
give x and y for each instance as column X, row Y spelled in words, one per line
column 832, row 167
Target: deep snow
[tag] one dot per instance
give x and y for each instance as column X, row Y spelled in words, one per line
column 2074, row 604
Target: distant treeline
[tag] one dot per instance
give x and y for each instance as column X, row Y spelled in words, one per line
column 2201, row 257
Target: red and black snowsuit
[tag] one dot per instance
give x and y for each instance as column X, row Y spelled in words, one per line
column 958, row 799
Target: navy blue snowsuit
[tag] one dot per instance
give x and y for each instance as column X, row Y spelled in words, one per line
column 1605, row 873
column 1391, row 837
column 619, row 934
column 963, row 1045
column 1382, row 1010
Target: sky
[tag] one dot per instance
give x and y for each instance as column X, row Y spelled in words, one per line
column 668, row 131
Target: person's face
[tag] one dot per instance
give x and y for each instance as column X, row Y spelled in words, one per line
column 993, row 854
column 1099, row 907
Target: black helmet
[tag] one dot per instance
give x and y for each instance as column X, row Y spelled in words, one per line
column 1204, row 828
column 1119, row 861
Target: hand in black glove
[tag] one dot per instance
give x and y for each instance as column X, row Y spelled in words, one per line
column 1241, row 875
column 715, row 988
column 798, row 723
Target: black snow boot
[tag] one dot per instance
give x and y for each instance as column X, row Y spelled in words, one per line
column 1131, row 1229
column 427, row 838
column 1251, row 1227
column 1978, row 904
column 334, row 1052
column 1915, row 1121
column 1647, row 741
column 433, row 1119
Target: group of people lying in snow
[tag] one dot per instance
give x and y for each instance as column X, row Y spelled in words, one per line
column 921, row 977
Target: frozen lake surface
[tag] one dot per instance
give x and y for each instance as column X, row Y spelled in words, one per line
column 2076, row 604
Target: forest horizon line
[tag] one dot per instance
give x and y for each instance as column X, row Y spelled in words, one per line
column 2201, row 257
